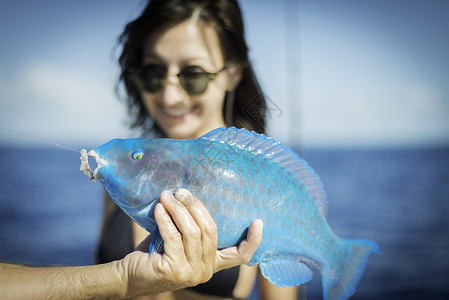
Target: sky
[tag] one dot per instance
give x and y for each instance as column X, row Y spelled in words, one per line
column 345, row 73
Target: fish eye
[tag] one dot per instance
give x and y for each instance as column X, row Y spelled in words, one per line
column 137, row 154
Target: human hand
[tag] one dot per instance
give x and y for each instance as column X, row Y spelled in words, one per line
column 190, row 243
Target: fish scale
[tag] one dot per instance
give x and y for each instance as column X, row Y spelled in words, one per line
column 240, row 176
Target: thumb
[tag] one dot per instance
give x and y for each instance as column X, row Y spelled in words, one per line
column 242, row 253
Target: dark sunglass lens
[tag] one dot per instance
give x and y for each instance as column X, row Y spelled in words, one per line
column 152, row 78
column 194, row 83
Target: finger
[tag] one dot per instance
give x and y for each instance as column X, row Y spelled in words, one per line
column 195, row 207
column 242, row 253
column 199, row 213
column 191, row 234
column 173, row 245
column 206, row 224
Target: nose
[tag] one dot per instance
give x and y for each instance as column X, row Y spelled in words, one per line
column 172, row 93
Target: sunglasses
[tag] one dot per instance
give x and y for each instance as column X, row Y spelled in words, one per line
column 154, row 78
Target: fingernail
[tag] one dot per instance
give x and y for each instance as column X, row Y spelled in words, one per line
column 168, row 194
column 185, row 196
column 160, row 209
column 182, row 193
column 260, row 222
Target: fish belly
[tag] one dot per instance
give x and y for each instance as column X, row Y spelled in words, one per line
column 238, row 187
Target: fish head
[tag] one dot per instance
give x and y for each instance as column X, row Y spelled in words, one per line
column 134, row 172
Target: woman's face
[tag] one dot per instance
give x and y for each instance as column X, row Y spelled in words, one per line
column 194, row 47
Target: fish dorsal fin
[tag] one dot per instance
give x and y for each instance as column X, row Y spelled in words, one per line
column 259, row 144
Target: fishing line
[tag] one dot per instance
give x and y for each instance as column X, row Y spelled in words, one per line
column 39, row 139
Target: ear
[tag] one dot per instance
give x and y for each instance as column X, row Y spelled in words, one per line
column 235, row 73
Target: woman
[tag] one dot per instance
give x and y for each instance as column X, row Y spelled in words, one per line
column 185, row 68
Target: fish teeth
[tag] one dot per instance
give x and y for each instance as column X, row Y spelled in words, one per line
column 101, row 162
column 85, row 165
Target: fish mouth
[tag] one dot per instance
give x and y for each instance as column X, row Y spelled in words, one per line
column 101, row 162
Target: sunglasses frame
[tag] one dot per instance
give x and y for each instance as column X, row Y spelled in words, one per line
column 136, row 76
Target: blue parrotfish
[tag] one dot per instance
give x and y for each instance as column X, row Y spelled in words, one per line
column 239, row 176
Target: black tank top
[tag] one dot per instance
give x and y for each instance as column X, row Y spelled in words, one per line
column 117, row 241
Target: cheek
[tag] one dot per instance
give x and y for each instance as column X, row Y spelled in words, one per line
column 215, row 98
column 149, row 102
column 214, row 103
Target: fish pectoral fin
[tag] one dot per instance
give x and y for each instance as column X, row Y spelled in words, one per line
column 157, row 243
column 285, row 271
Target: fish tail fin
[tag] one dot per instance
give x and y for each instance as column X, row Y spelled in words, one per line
column 341, row 284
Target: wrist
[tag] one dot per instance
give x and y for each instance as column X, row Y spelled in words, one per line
column 97, row 281
column 120, row 276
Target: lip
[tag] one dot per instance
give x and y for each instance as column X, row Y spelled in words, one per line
column 178, row 114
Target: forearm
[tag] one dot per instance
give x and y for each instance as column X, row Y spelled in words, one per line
column 190, row 257
column 87, row 282
column 269, row 291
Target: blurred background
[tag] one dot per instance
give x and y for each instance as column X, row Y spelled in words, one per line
column 358, row 88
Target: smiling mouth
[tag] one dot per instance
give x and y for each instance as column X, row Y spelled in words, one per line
column 101, row 162
column 178, row 113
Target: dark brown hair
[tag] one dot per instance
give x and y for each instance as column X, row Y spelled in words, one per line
column 249, row 105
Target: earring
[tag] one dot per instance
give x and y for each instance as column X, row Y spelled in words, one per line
column 232, row 70
column 232, row 73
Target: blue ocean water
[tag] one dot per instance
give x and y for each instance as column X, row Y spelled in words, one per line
column 50, row 214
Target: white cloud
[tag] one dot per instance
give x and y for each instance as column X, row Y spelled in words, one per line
column 62, row 104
